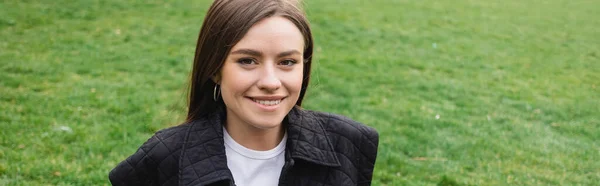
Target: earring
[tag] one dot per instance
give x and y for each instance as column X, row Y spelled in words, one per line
column 215, row 93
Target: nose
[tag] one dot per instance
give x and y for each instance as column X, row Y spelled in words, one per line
column 269, row 81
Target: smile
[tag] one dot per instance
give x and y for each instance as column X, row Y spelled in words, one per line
column 267, row 102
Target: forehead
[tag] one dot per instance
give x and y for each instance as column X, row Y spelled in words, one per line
column 272, row 34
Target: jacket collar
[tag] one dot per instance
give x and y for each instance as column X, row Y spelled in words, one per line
column 204, row 145
column 308, row 140
column 203, row 160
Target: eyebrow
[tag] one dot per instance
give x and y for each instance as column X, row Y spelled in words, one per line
column 258, row 53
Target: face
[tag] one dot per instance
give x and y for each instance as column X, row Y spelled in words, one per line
column 262, row 76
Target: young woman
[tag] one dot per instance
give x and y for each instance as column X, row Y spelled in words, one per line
column 245, row 125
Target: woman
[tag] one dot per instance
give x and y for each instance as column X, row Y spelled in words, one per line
column 245, row 125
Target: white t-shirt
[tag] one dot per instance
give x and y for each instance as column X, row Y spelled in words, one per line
column 254, row 168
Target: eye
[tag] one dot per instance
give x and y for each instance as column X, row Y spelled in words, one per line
column 246, row 61
column 287, row 62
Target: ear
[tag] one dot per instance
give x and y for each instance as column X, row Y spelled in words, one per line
column 217, row 78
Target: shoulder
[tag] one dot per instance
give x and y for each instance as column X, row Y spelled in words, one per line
column 342, row 125
column 164, row 142
column 156, row 159
column 346, row 135
column 355, row 144
column 172, row 136
column 165, row 145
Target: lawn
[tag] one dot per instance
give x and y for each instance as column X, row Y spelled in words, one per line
column 463, row 92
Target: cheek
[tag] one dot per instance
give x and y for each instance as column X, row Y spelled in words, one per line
column 294, row 81
column 233, row 81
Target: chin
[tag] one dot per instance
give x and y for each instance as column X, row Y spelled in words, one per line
column 267, row 122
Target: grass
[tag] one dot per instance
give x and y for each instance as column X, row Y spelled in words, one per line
column 462, row 92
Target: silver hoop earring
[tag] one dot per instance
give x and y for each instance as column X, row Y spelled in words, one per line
column 215, row 93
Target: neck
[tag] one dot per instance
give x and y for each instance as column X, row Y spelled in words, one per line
column 255, row 138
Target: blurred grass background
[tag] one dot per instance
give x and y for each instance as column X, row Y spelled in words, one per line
column 463, row 92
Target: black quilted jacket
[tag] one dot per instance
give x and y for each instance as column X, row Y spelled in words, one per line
column 322, row 149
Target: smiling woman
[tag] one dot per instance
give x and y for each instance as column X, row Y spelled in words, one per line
column 261, row 81
column 245, row 125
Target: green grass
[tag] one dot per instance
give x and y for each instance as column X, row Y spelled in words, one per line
column 515, row 86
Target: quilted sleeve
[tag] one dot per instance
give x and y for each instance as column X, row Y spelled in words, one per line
column 358, row 143
column 139, row 168
column 368, row 145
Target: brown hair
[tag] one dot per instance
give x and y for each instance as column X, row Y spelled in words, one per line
column 226, row 22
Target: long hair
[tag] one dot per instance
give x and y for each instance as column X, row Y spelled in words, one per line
column 226, row 22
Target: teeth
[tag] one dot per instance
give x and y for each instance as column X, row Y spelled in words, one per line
column 267, row 102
